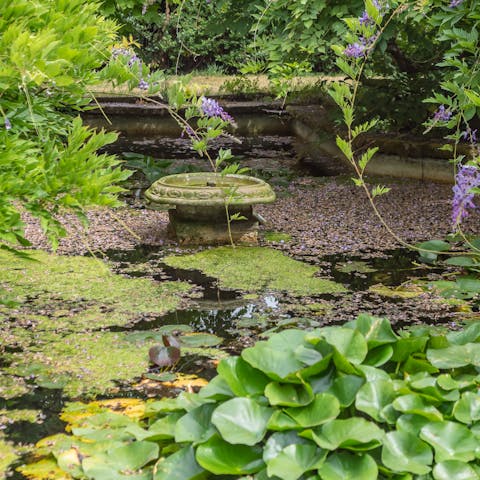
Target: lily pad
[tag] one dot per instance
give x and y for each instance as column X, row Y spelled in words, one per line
column 355, row 434
column 223, row 458
column 182, row 465
column 288, row 394
column 467, row 408
column 242, row 420
column 374, row 396
column 348, row 467
column 403, row 452
column 454, row 469
column 325, row 407
column 451, row 441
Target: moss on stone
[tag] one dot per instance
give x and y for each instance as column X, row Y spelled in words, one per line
column 255, row 269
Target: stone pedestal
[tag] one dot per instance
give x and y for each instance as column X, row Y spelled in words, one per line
column 191, row 232
column 198, row 215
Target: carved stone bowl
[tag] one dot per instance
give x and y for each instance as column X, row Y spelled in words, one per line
column 209, row 189
column 198, row 200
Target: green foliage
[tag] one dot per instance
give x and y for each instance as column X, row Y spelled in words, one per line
column 288, row 419
column 181, row 36
column 301, row 30
column 51, row 51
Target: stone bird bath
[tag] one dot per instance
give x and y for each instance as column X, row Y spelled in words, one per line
column 197, row 206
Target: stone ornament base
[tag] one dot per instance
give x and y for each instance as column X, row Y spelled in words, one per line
column 198, row 203
column 191, row 232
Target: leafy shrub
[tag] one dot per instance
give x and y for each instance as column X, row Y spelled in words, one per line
column 181, row 36
column 356, row 401
column 51, row 52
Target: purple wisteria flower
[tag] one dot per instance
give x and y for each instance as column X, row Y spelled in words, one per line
column 120, row 52
column 455, row 3
column 442, row 114
column 143, row 85
column 467, row 178
column 188, row 130
column 470, row 135
column 365, row 19
column 355, row 50
column 211, row 108
column 8, row 125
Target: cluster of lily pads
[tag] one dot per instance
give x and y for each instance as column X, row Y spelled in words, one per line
column 357, row 401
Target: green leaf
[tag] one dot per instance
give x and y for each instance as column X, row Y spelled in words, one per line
column 345, row 147
column 276, row 357
column 349, row 343
column 374, row 397
column 455, row 356
column 365, row 158
column 195, row 426
column 200, row 340
column 354, row 433
column 411, row 423
column 241, row 420
column 373, row 11
column 281, row 422
column 429, row 250
column 467, row 408
column 453, row 469
column 288, row 456
column 345, row 388
column 223, row 458
column 405, row 347
column 377, row 331
column 180, row 466
column 474, row 97
column 288, row 394
column 379, row 190
column 164, row 428
column 241, row 377
column 450, row 440
column 325, row 407
column 379, row 356
column 414, row 404
column 345, row 466
column 127, row 458
column 278, row 441
column 471, row 334
column 294, row 460
column 403, row 452
column 446, row 381
column 216, row 389
column 461, row 261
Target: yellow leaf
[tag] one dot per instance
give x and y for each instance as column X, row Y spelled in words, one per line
column 46, row 469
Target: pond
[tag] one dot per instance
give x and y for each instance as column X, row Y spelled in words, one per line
column 82, row 327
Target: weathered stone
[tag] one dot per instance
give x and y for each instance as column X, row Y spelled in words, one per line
column 199, row 216
column 211, row 233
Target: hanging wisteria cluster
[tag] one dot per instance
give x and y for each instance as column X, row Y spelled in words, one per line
column 467, row 178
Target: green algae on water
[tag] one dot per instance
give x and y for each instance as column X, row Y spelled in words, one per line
column 84, row 281
column 57, row 329
column 277, row 237
column 7, row 456
column 256, row 268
